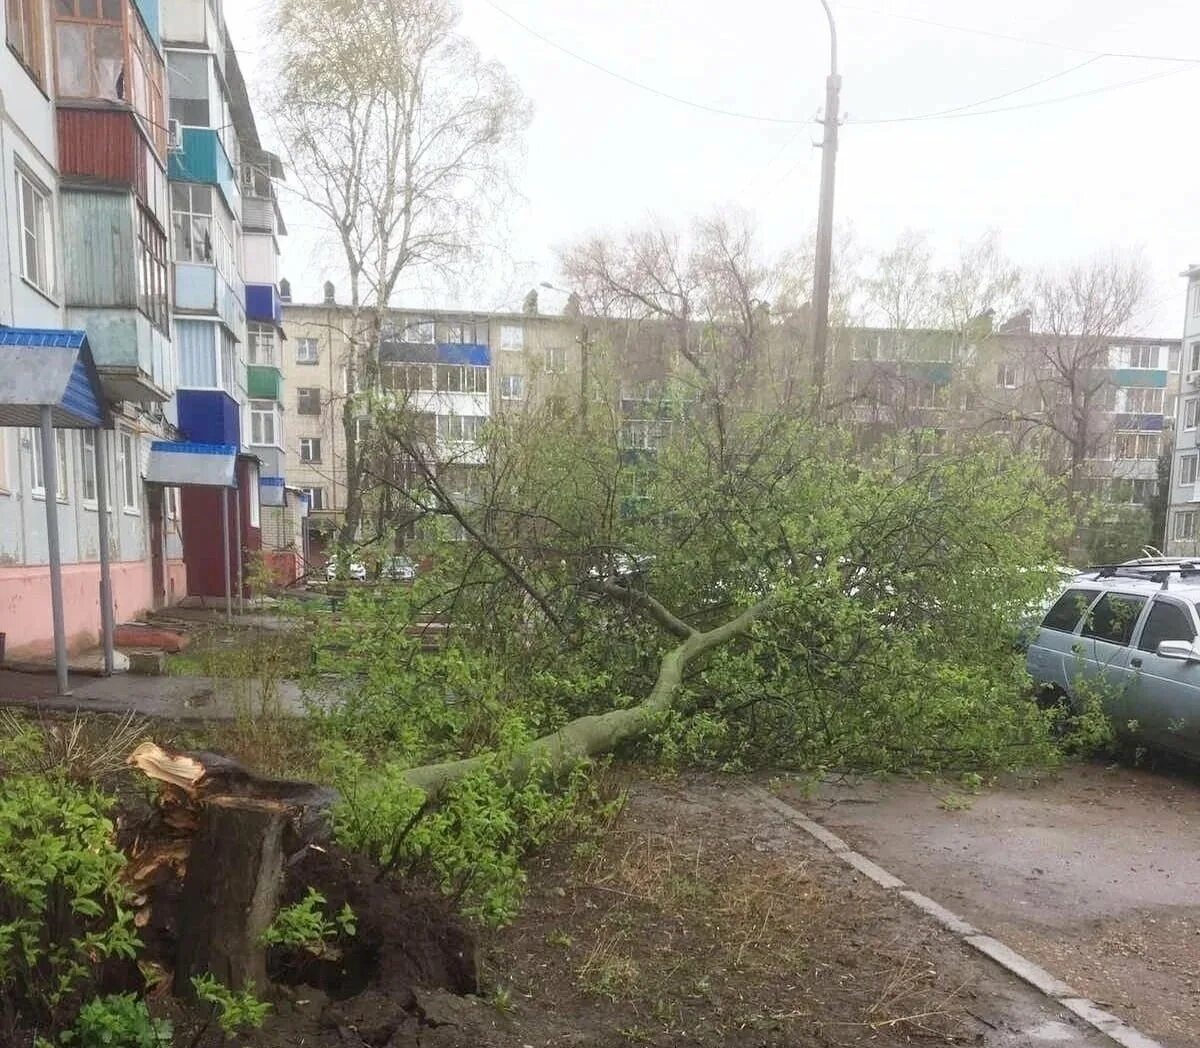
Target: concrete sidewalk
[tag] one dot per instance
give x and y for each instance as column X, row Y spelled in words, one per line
column 169, row 698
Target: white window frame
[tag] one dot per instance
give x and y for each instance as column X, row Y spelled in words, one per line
column 1187, row 469
column 1194, row 359
column 556, row 360
column 262, row 345
column 39, row 227
column 259, row 411
column 512, row 338
column 303, row 345
column 1003, row 373
column 253, row 495
column 1196, row 299
column 199, row 226
column 420, row 330
column 128, row 463
column 1191, row 412
column 1138, row 355
column 1185, row 526
column 512, row 387
column 307, row 446
column 4, row 485
column 87, row 469
column 312, row 500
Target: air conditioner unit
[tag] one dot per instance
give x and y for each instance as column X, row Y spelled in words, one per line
column 174, row 136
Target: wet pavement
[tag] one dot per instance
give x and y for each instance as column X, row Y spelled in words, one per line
column 1092, row 872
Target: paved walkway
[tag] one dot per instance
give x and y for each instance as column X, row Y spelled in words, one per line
column 173, row 698
column 1093, row 873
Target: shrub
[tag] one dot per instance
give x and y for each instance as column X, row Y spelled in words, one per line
column 63, row 907
column 120, row 1021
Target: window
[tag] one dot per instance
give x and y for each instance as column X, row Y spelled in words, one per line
column 348, row 384
column 253, row 495
column 87, row 461
column 129, row 469
column 308, row 351
column 1194, row 357
column 3, row 462
column 316, row 498
column 644, row 434
column 459, row 333
column 37, row 256
column 1113, row 618
column 1191, row 410
column 308, row 401
column 192, row 222
column 26, row 36
column 1144, row 401
column 1174, row 353
column 1068, row 610
column 930, row 395
column 37, row 474
column 1138, row 445
column 187, row 85
column 1143, row 356
column 1006, row 376
column 512, row 387
column 512, row 337
column 1185, row 526
column 261, row 345
column 152, row 272
column 262, row 422
column 419, row 330
column 1196, row 300
column 459, row 429
column 556, row 360
column 1144, row 490
column 1165, row 622
column 362, row 430
column 91, row 49
column 310, row 449
column 1187, row 469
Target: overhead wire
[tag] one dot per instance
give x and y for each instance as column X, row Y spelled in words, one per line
column 966, row 110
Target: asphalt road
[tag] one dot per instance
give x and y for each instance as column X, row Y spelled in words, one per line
column 1093, row 872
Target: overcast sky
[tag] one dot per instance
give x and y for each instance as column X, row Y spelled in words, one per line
column 1111, row 169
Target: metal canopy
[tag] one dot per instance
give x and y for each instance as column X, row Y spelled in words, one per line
column 49, row 381
column 50, row 368
column 180, row 464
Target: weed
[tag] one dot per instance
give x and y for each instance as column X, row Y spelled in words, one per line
column 561, row 939
column 956, row 802
column 120, row 1021
column 304, row 925
column 233, row 1010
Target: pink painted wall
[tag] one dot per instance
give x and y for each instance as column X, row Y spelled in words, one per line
column 25, row 614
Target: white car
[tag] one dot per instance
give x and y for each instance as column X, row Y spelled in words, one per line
column 356, row 571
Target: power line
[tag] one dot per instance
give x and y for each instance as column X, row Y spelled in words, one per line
column 950, row 114
column 966, row 110
column 1019, row 39
column 702, row 106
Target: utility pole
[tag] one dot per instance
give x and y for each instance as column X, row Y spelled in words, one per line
column 823, row 267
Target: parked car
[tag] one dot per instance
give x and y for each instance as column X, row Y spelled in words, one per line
column 398, row 569
column 1130, row 632
column 355, row 570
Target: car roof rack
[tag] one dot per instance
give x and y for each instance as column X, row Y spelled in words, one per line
column 1150, row 569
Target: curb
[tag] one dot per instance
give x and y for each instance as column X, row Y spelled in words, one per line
column 1111, row 1026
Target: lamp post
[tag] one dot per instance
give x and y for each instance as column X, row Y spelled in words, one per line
column 823, row 265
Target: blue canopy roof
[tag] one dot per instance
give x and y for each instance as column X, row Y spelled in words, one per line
column 49, row 367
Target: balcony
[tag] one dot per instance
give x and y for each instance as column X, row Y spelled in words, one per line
column 132, row 356
column 201, row 289
column 263, row 304
column 258, row 215
column 264, row 382
column 203, row 159
column 209, row 416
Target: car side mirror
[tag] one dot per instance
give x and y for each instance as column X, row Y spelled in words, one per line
column 1183, row 650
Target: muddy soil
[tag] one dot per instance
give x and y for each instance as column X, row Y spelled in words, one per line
column 1093, row 871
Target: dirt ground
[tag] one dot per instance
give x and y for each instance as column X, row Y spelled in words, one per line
column 1093, row 872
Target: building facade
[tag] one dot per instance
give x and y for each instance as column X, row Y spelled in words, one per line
column 120, row 209
column 1183, row 519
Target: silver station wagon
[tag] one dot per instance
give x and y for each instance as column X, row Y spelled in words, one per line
column 1128, row 633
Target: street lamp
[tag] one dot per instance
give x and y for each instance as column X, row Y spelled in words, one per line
column 823, row 265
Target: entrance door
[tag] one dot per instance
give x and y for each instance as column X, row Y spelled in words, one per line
column 158, row 572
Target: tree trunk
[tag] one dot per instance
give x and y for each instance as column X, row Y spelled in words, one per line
column 231, row 892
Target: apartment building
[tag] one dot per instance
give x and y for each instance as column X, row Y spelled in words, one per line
column 139, row 220
column 1183, row 519
column 85, row 220
column 455, row 369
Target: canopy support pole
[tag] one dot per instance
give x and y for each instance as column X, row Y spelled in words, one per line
column 241, row 590
column 225, row 547
column 106, row 601
column 50, row 482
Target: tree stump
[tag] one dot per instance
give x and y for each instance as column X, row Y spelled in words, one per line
column 231, row 892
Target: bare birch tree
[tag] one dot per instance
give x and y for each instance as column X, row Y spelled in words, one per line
column 401, row 137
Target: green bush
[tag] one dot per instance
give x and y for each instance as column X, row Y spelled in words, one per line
column 304, row 925
column 234, row 1010
column 120, row 1021
column 63, row 906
